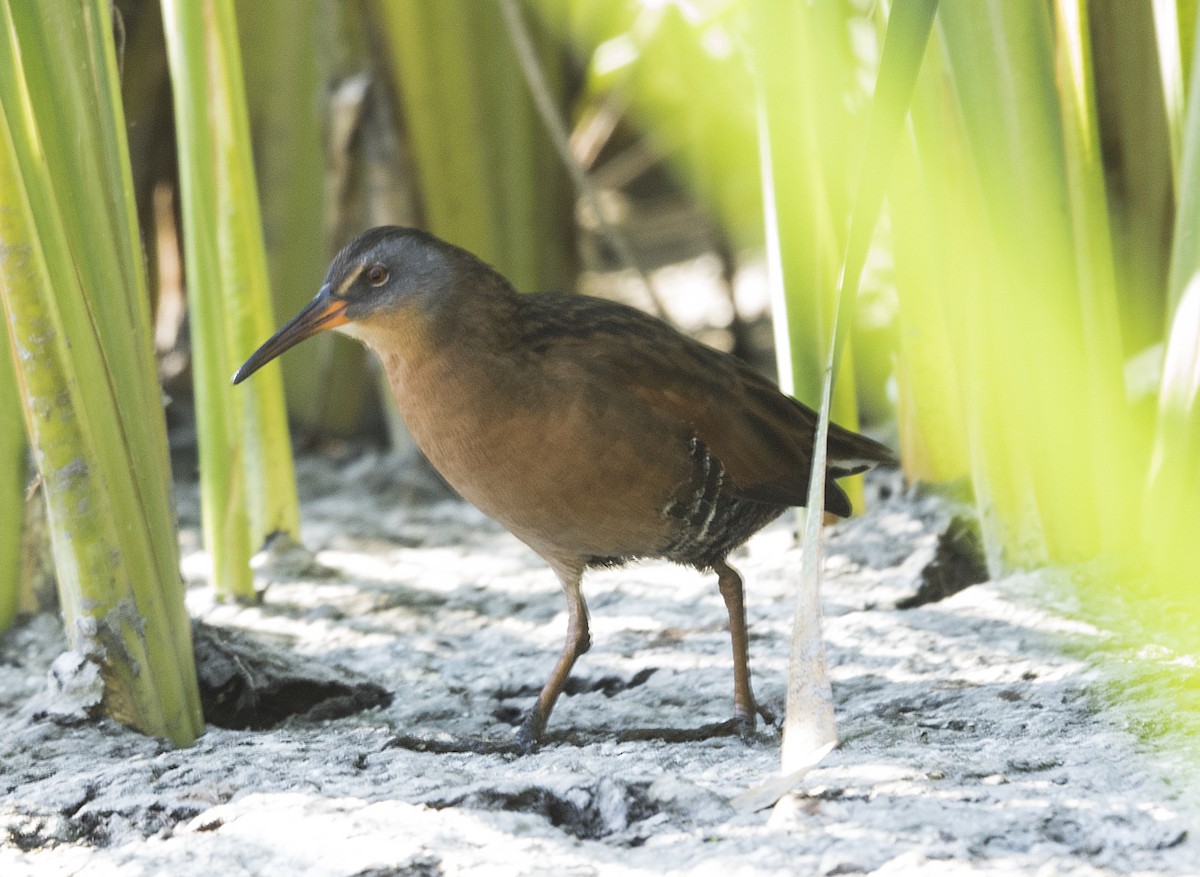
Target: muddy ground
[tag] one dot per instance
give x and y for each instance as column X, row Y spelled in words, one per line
column 982, row 733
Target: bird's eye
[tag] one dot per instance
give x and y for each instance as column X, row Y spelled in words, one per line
column 377, row 275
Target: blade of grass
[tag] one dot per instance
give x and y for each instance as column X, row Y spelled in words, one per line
column 802, row 61
column 557, row 130
column 248, row 488
column 326, row 381
column 1138, row 95
column 1170, row 65
column 13, row 473
column 1173, row 486
column 1173, row 483
column 1027, row 316
column 809, row 726
column 655, row 58
column 76, row 310
column 489, row 180
column 931, row 404
column 1103, row 394
column 1185, row 239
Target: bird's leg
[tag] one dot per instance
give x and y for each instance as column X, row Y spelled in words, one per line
column 579, row 640
column 744, row 708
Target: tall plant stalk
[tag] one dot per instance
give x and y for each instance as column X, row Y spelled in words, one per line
column 75, row 304
column 13, row 468
column 488, row 176
column 804, row 66
column 287, row 68
column 809, row 726
column 247, row 484
column 1173, row 487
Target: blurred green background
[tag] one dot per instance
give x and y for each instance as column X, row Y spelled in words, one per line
column 1028, row 324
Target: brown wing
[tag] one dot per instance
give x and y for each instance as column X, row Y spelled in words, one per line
column 763, row 438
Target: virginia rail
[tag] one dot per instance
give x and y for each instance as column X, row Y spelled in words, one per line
column 595, row 433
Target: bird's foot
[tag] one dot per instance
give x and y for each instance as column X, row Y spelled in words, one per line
column 744, row 724
column 768, row 716
column 745, row 721
column 445, row 743
column 727, row 728
column 530, row 733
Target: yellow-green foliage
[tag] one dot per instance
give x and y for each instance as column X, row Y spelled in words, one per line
column 1030, row 209
column 288, row 64
column 76, row 308
column 12, row 481
column 487, row 174
column 247, row 486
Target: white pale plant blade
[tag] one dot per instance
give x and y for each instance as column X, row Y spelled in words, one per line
column 809, row 728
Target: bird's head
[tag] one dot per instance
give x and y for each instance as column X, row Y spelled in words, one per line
column 386, row 286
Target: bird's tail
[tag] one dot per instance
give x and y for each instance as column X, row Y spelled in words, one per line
column 850, row 453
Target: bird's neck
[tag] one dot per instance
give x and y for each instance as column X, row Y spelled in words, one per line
column 453, row 396
column 462, row 352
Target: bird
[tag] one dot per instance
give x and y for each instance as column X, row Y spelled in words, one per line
column 595, row 433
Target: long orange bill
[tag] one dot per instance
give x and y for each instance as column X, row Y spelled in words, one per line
column 323, row 312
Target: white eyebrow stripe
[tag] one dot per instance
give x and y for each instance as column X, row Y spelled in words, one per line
column 349, row 281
